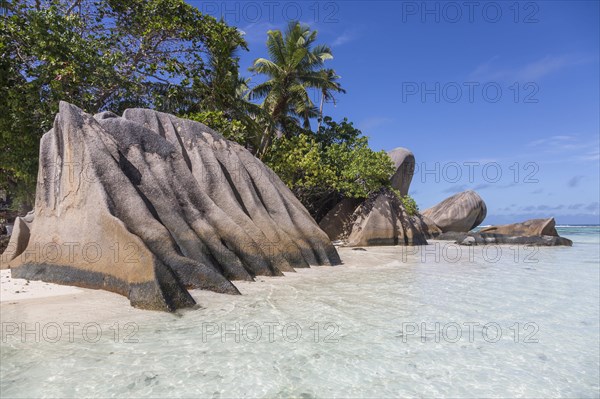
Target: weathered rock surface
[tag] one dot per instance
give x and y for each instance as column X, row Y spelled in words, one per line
column 404, row 161
column 460, row 212
column 430, row 229
column 148, row 204
column 452, row 236
column 382, row 220
column 18, row 239
column 338, row 221
column 529, row 228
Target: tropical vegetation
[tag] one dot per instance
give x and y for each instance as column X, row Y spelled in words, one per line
column 166, row 55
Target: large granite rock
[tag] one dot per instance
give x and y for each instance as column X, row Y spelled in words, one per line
column 460, row 212
column 382, row 220
column 148, row 205
column 529, row 228
column 404, row 161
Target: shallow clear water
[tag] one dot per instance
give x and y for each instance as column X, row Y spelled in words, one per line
column 385, row 329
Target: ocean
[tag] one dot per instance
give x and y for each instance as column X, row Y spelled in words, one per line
column 441, row 320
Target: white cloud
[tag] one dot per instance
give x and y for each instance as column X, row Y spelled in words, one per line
column 593, row 155
column 560, row 142
column 343, row 38
column 492, row 70
column 372, row 123
column 257, row 32
column 573, row 147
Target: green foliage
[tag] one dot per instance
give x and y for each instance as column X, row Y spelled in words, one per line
column 336, row 162
column 336, row 133
column 410, row 205
column 98, row 55
column 230, row 128
column 166, row 55
column 342, row 165
column 359, row 170
column 300, row 162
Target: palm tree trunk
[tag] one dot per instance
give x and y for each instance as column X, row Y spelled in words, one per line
column 262, row 149
column 321, row 112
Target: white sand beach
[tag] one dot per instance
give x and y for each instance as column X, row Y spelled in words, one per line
column 38, row 301
column 18, row 290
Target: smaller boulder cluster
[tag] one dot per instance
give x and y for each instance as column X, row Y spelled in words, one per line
column 381, row 219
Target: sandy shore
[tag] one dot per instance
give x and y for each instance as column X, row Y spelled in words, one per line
column 25, row 301
column 37, row 301
column 16, row 290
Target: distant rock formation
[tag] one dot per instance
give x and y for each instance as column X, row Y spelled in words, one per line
column 379, row 220
column 460, row 212
column 148, row 204
column 404, row 161
column 471, row 239
column 529, row 228
column 538, row 232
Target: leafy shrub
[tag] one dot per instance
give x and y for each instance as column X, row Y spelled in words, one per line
column 410, row 205
column 320, row 175
column 230, row 128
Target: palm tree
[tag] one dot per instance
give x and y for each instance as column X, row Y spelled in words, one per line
column 294, row 67
column 330, row 86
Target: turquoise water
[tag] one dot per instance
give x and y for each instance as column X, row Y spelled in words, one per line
column 435, row 321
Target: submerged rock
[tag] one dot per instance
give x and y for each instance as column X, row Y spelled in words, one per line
column 460, row 212
column 148, row 204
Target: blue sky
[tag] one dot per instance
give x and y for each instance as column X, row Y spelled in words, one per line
column 499, row 97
